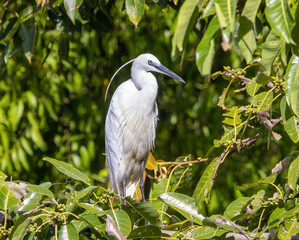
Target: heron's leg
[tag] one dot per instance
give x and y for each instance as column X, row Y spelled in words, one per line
column 123, row 184
column 141, row 183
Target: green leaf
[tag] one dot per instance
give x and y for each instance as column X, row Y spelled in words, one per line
column 206, row 48
column 3, row 176
column 92, row 208
column 32, row 199
column 147, row 232
column 37, row 138
column 184, row 204
column 289, row 228
column 292, row 84
column 20, row 223
column 252, row 87
column 293, row 174
column 263, row 78
column 15, row 114
column 209, row 9
column 224, row 93
column 23, row 158
column 5, row 140
column 270, row 50
column 205, row 184
column 122, row 220
column 246, row 35
column 85, row 192
column 135, row 10
column 284, row 109
column 156, row 190
column 32, row 120
column 29, row 36
column 232, row 116
column 9, row 28
column 183, row 174
column 230, row 132
column 7, row 199
column 26, row 145
column 49, row 106
column 41, row 189
column 146, row 210
column 282, row 213
column 275, row 217
column 295, row 33
column 68, row 170
column 279, row 17
column 21, row 230
column 96, row 223
column 187, row 16
column 68, row 232
column 84, row 155
column 206, row 232
column 292, row 129
column 79, row 225
column 72, row 8
column 236, row 207
column 262, row 100
column 226, row 13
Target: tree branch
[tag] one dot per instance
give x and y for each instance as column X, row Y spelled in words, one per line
column 183, row 163
column 244, row 79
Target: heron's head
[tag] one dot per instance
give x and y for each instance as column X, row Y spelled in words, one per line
column 149, row 63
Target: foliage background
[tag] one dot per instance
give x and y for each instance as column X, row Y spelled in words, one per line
column 61, row 88
column 56, row 59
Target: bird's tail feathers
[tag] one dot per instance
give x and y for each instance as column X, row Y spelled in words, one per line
column 130, row 189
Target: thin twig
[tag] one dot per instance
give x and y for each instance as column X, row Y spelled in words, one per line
column 244, row 79
column 183, row 163
column 281, row 200
column 276, row 121
column 244, row 143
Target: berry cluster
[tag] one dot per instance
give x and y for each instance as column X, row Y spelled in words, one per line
column 4, row 232
column 279, row 83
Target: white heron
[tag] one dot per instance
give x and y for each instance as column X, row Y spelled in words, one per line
column 131, row 121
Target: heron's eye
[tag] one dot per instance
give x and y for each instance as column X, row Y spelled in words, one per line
column 150, row 62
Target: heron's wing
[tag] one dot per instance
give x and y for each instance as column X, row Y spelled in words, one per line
column 129, row 134
column 112, row 145
column 114, row 128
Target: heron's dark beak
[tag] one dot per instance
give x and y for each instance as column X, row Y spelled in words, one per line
column 161, row 69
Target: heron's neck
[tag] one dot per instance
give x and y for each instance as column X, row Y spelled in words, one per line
column 145, row 82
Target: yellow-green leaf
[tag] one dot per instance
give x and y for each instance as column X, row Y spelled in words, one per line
column 292, row 129
column 270, row 50
column 204, row 186
column 135, row 10
column 151, row 163
column 292, row 84
column 262, row 100
column 186, row 19
column 280, row 19
column 293, row 174
column 72, row 8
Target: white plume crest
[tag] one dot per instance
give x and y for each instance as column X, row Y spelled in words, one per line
column 115, row 75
